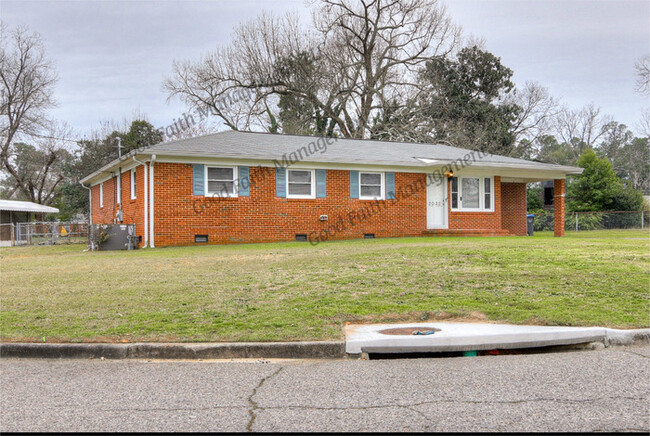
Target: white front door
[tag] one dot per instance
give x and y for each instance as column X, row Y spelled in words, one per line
column 437, row 204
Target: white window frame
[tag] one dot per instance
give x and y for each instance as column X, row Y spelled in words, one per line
column 101, row 194
column 134, row 194
column 235, row 187
column 313, row 184
column 481, row 190
column 382, row 192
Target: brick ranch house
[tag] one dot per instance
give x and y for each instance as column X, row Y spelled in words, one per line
column 237, row 187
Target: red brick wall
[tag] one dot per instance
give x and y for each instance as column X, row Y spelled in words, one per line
column 133, row 210
column 513, row 208
column 105, row 214
column 477, row 220
column 264, row 217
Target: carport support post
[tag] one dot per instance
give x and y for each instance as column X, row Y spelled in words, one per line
column 558, row 207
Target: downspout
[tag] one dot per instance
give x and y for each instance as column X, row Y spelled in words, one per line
column 118, row 181
column 114, row 197
column 146, row 204
column 151, row 197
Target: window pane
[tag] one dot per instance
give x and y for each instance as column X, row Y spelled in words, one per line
column 488, row 204
column 299, row 189
column 220, row 173
column 454, row 184
column 470, row 193
column 487, row 185
column 221, row 188
column 371, row 191
column 454, row 200
column 299, row 176
column 370, row 179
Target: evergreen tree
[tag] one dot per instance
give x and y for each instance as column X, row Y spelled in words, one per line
column 598, row 188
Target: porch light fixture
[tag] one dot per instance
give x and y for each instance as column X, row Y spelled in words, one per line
column 450, row 173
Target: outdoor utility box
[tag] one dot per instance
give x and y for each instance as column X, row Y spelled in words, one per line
column 530, row 222
column 113, row 237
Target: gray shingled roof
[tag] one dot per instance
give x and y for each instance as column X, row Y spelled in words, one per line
column 266, row 146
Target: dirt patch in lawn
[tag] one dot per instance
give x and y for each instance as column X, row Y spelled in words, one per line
column 413, row 317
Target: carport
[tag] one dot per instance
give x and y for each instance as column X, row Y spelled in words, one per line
column 12, row 214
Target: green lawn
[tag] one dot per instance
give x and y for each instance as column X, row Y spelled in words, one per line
column 293, row 291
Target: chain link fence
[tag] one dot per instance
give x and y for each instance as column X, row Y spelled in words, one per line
column 43, row 233
column 594, row 220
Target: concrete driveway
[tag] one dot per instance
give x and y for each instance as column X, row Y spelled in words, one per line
column 607, row 390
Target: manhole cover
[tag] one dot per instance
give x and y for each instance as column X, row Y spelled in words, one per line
column 409, row 331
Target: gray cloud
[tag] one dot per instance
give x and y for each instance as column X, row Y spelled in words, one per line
column 111, row 56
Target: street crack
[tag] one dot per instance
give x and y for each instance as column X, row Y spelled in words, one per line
column 253, row 405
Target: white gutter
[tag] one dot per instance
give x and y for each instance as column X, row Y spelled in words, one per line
column 146, row 203
column 151, row 197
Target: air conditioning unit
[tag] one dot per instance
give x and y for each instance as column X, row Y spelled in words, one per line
column 113, row 237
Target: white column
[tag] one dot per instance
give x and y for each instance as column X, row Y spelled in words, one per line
column 146, row 205
column 151, row 196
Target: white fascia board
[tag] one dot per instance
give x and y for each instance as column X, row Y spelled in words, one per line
column 104, row 173
column 418, row 165
column 506, row 173
column 532, row 172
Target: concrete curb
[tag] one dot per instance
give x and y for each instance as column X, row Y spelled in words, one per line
column 149, row 350
column 236, row 350
column 627, row 337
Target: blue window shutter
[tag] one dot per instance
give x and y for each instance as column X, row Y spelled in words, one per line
column 198, row 181
column 244, row 182
column 390, row 186
column 321, row 183
column 281, row 182
column 354, row 184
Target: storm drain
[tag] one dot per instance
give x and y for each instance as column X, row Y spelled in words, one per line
column 497, row 352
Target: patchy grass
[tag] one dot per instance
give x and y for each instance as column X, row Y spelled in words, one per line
column 293, row 291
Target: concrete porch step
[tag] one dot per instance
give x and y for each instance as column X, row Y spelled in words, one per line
column 465, row 232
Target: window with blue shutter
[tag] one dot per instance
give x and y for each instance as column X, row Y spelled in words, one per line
column 244, row 181
column 354, row 184
column 390, row 186
column 198, row 179
column 321, row 183
column 281, row 182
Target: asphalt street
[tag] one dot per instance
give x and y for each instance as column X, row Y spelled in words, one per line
column 605, row 390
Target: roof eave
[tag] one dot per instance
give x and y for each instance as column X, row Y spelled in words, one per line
column 108, row 166
column 567, row 170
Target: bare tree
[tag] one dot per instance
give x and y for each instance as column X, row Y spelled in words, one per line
column 27, row 80
column 537, row 110
column 199, row 128
column 643, row 125
column 355, row 58
column 582, row 128
column 40, row 164
column 642, row 68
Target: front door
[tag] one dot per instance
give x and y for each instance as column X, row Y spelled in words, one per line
column 437, row 204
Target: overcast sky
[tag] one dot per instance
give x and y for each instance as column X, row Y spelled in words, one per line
column 111, row 56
